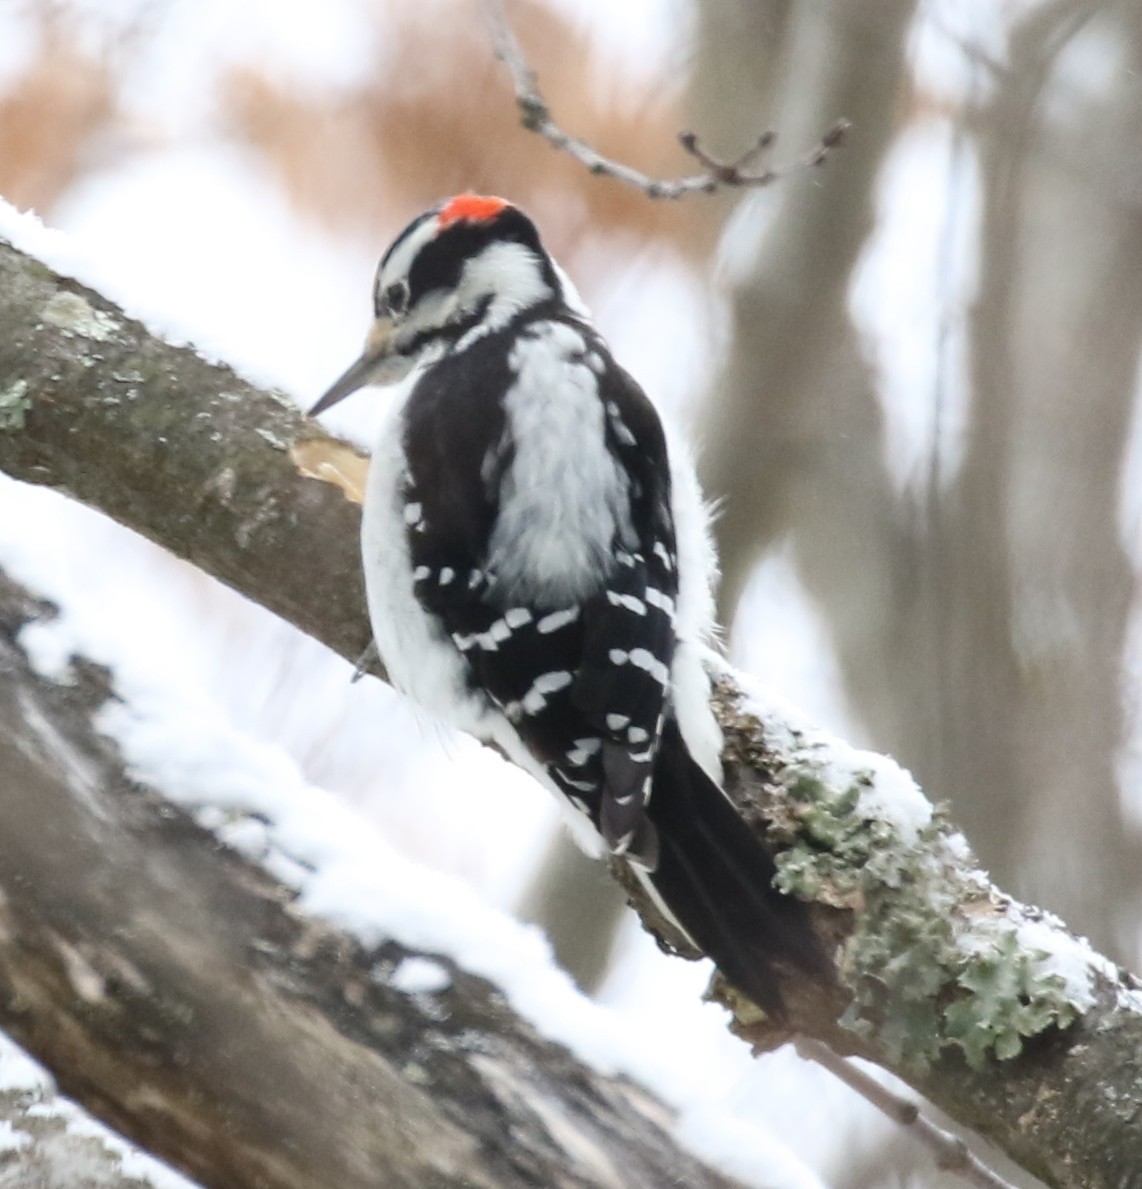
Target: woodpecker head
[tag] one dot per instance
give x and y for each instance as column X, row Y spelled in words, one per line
column 469, row 264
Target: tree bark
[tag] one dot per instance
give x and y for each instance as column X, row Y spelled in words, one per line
column 171, row 989
column 47, row 1142
column 935, row 965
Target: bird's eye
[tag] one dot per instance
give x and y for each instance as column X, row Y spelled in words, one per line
column 396, row 297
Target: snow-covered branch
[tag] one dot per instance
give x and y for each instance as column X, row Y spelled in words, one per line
column 1007, row 1023
column 178, row 991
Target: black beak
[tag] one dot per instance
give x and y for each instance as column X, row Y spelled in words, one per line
column 378, row 350
column 356, row 377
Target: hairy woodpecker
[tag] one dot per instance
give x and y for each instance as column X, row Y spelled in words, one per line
column 539, row 570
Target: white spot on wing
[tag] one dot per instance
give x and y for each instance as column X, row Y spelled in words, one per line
column 583, row 750
column 556, row 620
column 622, row 432
column 628, row 601
column 656, row 598
column 644, row 659
column 547, row 683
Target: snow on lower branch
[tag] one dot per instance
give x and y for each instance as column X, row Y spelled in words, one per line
column 254, row 798
column 46, row 1139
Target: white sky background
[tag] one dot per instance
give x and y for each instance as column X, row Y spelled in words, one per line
column 183, row 227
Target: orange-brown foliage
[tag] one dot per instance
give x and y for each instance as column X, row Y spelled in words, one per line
column 446, row 122
column 49, row 119
column 364, row 160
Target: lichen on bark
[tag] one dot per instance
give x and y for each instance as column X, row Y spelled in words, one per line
column 932, row 956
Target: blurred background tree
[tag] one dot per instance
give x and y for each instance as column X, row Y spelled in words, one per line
column 912, row 376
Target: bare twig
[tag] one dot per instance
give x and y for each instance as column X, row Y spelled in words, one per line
column 535, row 115
column 951, row 1153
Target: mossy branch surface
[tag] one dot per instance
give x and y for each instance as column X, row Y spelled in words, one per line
column 988, row 1007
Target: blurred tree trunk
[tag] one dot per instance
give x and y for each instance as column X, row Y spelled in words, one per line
column 793, row 432
column 979, row 637
column 1056, row 331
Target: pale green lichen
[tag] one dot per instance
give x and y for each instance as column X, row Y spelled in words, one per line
column 76, row 315
column 274, row 439
column 934, row 959
column 14, row 405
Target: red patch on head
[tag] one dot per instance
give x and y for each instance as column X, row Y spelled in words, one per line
column 476, row 208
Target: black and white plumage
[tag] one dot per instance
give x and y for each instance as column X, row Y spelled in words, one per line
column 539, row 569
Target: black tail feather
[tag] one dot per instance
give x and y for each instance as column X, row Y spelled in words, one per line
column 716, row 879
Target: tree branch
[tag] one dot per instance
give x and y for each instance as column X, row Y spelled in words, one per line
column 988, row 1008
column 48, row 1142
column 172, row 989
column 950, row 1152
column 535, row 116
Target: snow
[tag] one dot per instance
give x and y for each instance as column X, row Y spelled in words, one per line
column 132, row 1162
column 888, row 792
column 420, row 976
column 349, row 874
column 33, row 1093
column 175, row 221
column 891, row 794
column 727, row 1144
column 11, row 1140
column 155, row 238
column 19, row 1073
column 23, row 230
column 1070, row 958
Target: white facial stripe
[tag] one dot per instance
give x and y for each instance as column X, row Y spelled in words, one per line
column 398, row 264
column 510, row 274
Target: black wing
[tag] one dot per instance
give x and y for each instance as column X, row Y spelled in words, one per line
column 586, row 686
